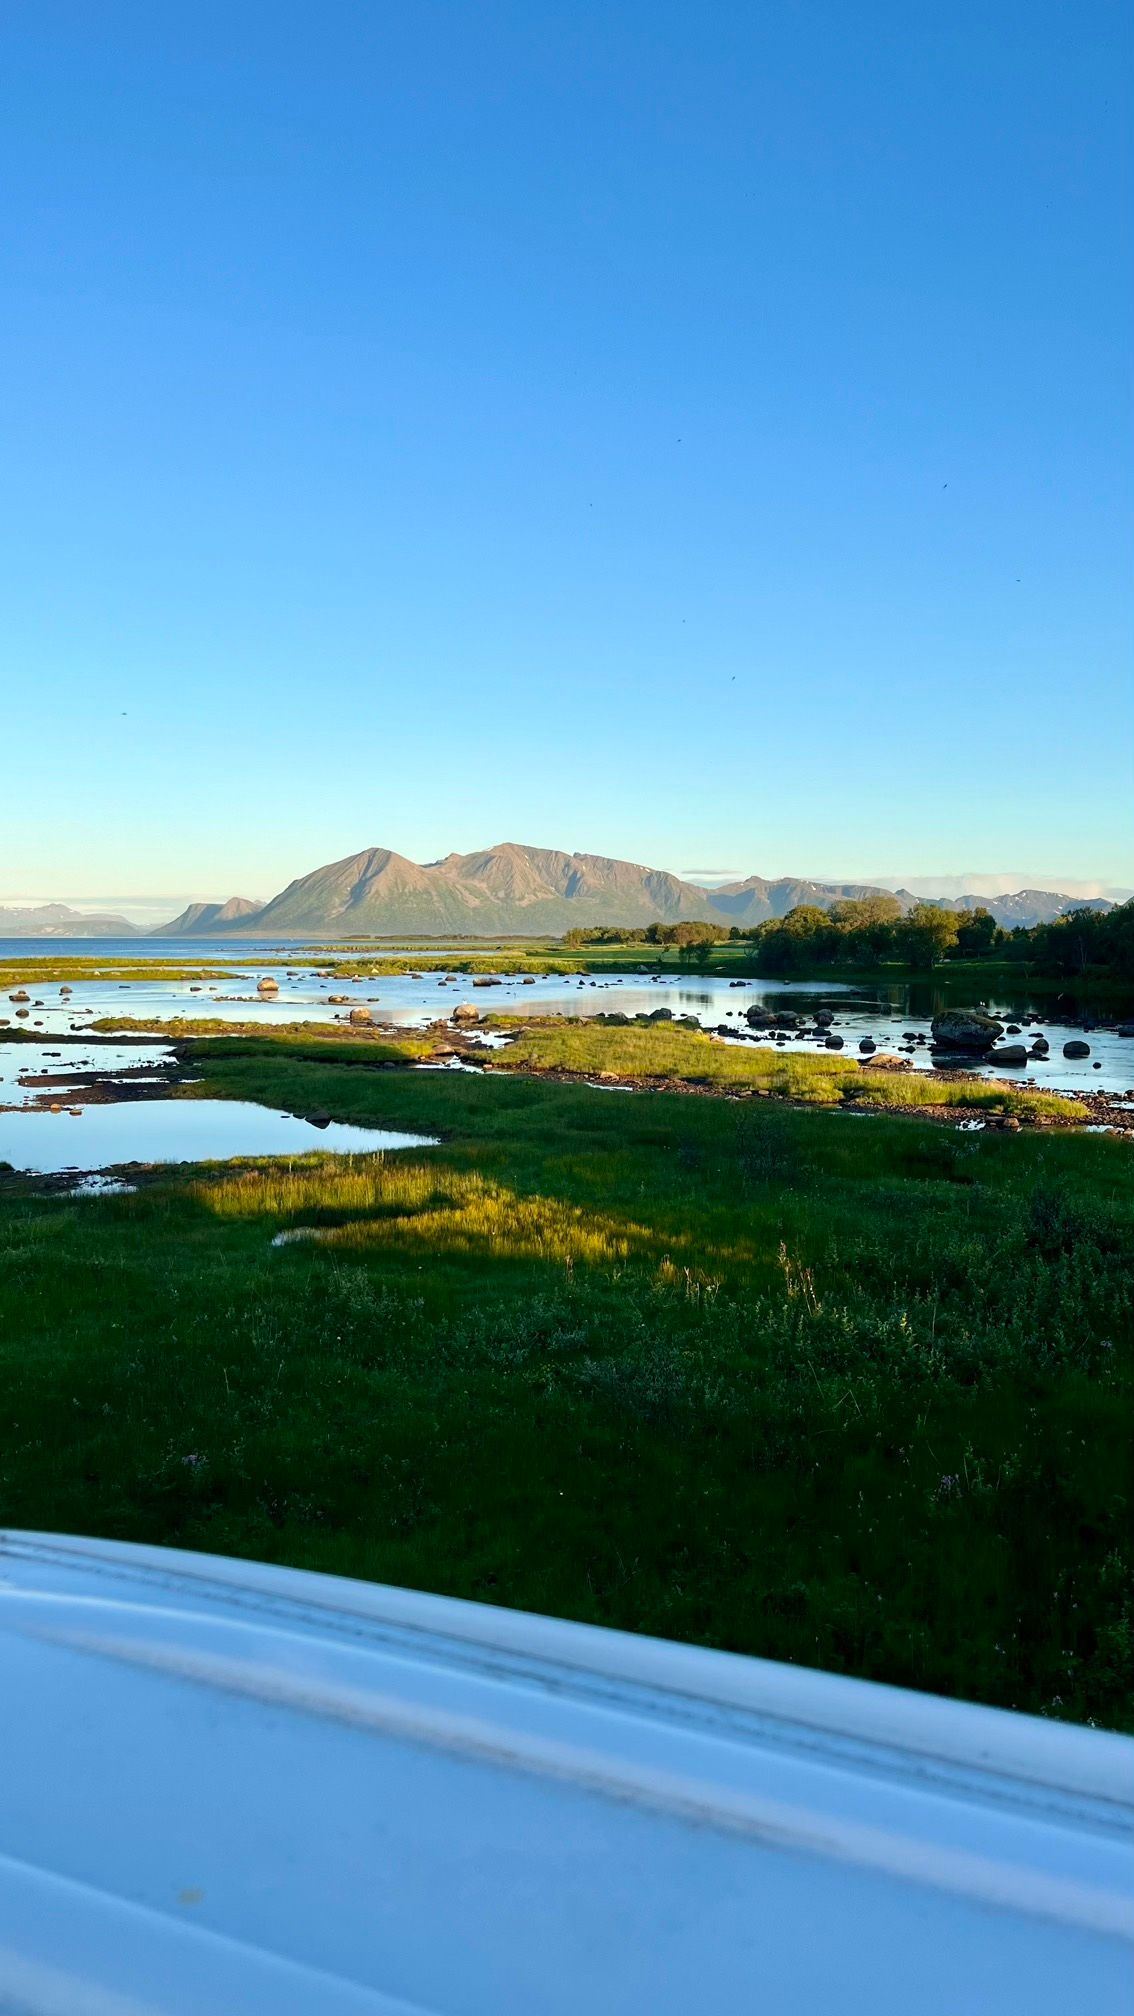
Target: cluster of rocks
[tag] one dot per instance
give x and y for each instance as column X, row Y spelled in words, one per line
column 971, row 1033
column 616, row 1020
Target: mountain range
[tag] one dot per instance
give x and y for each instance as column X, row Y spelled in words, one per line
column 58, row 920
column 513, row 891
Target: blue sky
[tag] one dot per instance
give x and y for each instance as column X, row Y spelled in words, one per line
column 696, row 434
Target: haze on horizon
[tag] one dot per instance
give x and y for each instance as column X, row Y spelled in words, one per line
column 682, row 438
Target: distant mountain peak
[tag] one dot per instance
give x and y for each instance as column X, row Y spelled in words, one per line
column 511, row 890
column 58, row 920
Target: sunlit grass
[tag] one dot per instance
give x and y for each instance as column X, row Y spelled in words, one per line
column 663, row 1053
column 375, row 1202
column 46, row 970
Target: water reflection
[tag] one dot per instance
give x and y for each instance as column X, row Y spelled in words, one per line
column 311, row 993
column 178, row 1130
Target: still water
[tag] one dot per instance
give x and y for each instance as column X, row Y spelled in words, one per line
column 76, row 1064
column 177, row 1130
column 415, row 999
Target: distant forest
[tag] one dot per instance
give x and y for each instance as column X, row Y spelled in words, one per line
column 872, row 931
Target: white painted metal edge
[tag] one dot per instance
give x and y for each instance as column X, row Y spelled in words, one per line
column 800, row 1702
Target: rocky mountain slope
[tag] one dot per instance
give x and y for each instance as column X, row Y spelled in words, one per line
column 513, row 890
column 201, row 918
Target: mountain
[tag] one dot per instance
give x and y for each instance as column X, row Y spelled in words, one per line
column 514, row 891
column 202, row 918
column 982, row 886
column 503, row 891
column 754, row 900
column 57, row 920
column 1027, row 906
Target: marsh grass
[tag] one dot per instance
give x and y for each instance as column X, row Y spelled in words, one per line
column 300, row 1039
column 45, row 970
column 739, row 1373
column 663, row 1052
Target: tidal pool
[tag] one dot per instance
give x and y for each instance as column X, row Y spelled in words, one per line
column 177, row 1130
column 74, row 1065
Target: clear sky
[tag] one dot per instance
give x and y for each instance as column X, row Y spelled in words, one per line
column 694, row 433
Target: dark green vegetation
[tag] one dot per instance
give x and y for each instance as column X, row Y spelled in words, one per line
column 864, row 934
column 849, row 1391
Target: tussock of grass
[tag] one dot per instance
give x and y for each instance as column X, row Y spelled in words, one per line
column 400, row 1204
column 665, row 1053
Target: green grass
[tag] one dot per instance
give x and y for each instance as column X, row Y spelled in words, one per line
column 663, row 1052
column 312, row 1039
column 45, row 970
column 749, row 1375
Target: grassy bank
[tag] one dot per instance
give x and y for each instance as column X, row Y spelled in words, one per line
column 313, row 1039
column 857, row 1396
column 45, row 970
column 663, row 1053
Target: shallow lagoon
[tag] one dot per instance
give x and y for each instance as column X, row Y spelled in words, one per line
column 412, row 1001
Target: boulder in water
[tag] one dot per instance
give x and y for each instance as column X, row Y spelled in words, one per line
column 1010, row 1053
column 465, row 1012
column 1076, row 1049
column 267, row 985
column 360, row 1016
column 966, row 1029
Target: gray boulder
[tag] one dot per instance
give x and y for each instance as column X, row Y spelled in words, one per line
column 1076, row 1049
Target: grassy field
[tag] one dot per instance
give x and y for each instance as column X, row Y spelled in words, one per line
column 663, row 1052
column 850, row 1392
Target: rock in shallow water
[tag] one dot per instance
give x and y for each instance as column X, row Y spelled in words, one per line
column 966, row 1029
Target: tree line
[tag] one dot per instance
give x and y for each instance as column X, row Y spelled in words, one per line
column 873, row 931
